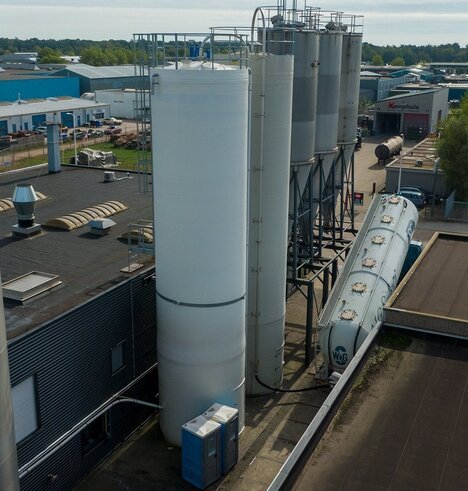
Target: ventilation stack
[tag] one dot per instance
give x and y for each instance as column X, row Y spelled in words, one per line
column 200, row 130
column 24, row 200
column 272, row 85
column 53, row 148
column 8, row 460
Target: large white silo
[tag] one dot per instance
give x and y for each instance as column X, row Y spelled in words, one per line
column 349, row 95
column 200, row 146
column 272, row 84
column 328, row 99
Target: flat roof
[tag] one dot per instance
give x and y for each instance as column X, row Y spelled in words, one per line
column 92, row 72
column 420, row 157
column 86, row 264
column 432, row 296
column 40, row 106
column 403, row 425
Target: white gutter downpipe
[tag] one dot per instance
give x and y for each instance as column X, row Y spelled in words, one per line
column 8, row 459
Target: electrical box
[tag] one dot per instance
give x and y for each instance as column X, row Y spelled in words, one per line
column 228, row 418
column 201, row 452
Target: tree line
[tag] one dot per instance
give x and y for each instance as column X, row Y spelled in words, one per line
column 412, row 55
column 121, row 52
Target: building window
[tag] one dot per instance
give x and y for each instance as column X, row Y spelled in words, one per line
column 117, row 357
column 24, row 397
column 95, row 433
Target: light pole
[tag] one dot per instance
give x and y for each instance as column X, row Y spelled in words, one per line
column 74, row 135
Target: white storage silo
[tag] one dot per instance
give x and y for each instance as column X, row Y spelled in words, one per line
column 328, row 99
column 200, row 145
column 272, row 83
column 349, row 96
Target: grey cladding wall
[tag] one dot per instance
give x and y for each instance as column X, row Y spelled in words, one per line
column 70, row 358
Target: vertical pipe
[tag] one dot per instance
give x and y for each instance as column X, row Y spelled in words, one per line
column 309, row 322
column 8, row 460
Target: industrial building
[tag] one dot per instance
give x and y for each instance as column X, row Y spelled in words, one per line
column 257, row 153
column 416, row 115
column 418, row 167
column 26, row 115
column 122, row 102
column 82, row 334
column 374, row 87
column 104, row 77
column 35, row 84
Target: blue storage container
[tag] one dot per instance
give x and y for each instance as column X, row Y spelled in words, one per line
column 201, row 455
column 228, row 418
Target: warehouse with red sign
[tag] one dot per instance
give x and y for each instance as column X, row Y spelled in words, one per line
column 416, row 115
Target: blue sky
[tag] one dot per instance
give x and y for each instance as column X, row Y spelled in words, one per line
column 385, row 22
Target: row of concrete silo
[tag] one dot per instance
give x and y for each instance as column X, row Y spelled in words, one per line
column 230, row 147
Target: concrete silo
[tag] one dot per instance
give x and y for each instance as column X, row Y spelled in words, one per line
column 200, row 137
column 272, row 81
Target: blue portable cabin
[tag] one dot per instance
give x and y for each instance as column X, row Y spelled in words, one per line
column 201, row 452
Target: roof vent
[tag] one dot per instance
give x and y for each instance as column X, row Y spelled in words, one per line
column 419, row 163
column 24, row 200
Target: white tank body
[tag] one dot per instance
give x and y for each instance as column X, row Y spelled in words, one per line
column 368, row 278
column 272, row 83
column 199, row 131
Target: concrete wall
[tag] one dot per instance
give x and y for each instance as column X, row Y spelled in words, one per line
column 416, row 177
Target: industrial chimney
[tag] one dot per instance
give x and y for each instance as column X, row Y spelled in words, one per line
column 24, row 199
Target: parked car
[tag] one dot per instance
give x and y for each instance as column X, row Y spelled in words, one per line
column 41, row 129
column 416, row 197
column 112, row 121
column 428, row 195
column 86, row 125
column 95, row 133
column 112, row 130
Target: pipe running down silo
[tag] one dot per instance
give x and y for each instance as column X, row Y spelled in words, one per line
column 8, row 459
column 272, row 84
column 200, row 138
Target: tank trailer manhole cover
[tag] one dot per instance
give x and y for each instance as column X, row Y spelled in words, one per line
column 348, row 315
column 378, row 239
column 386, row 219
column 368, row 262
column 394, row 200
column 359, row 287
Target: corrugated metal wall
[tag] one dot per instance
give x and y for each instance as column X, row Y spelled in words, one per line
column 39, row 87
column 71, row 360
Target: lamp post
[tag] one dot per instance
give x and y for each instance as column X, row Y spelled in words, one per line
column 74, row 135
column 401, row 163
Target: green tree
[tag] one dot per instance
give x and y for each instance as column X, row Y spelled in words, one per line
column 377, row 60
column 48, row 55
column 398, row 61
column 452, row 148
